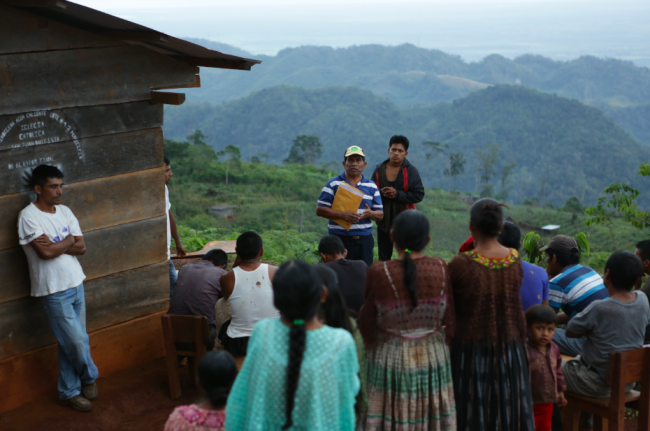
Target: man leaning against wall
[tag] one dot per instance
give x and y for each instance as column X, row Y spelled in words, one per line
column 51, row 238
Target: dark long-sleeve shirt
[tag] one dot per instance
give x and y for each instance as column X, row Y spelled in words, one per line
column 546, row 377
column 408, row 186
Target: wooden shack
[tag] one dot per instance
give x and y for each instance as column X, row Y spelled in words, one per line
column 76, row 91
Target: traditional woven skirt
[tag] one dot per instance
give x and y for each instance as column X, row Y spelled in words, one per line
column 410, row 386
column 492, row 386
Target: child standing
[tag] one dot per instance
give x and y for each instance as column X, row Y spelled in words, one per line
column 546, row 377
column 217, row 373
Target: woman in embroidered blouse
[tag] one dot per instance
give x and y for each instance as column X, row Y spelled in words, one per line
column 217, row 372
column 298, row 374
column 489, row 362
column 406, row 316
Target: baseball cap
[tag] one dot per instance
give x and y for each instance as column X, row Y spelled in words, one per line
column 354, row 150
column 563, row 244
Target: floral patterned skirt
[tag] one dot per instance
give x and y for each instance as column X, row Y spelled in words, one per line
column 410, row 386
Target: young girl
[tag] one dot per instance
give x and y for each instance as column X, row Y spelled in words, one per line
column 298, row 374
column 217, row 372
column 546, row 377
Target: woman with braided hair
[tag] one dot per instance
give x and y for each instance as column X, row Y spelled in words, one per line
column 298, row 374
column 405, row 320
column 489, row 360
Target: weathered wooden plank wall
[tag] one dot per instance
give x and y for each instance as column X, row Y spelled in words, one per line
column 23, row 32
column 83, row 77
column 109, row 250
column 110, row 300
column 32, row 375
column 81, row 101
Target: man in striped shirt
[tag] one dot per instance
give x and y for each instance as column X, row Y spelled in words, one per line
column 358, row 241
column 572, row 287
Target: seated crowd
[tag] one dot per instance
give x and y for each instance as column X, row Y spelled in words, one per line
column 412, row 343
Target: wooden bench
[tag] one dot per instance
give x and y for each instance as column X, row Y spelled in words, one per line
column 609, row 413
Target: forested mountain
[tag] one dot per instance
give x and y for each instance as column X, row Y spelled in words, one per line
column 561, row 147
column 634, row 119
column 409, row 75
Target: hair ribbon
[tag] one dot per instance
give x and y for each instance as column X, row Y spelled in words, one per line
column 298, row 322
column 406, row 250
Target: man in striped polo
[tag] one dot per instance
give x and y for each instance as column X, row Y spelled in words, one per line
column 572, row 287
column 358, row 241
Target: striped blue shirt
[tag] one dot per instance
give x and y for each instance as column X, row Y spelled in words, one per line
column 371, row 197
column 575, row 288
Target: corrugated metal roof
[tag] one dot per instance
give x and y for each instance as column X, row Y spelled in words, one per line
column 135, row 34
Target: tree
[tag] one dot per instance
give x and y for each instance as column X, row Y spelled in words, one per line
column 487, row 161
column 232, row 154
column 197, row 138
column 619, row 198
column 506, row 174
column 456, row 167
column 573, row 206
column 433, row 149
column 305, row 150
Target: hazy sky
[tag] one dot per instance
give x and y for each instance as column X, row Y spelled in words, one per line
column 560, row 29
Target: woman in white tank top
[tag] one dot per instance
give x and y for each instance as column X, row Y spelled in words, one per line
column 251, row 300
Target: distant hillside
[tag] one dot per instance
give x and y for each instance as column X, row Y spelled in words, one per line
column 408, row 75
column 562, row 148
column 635, row 119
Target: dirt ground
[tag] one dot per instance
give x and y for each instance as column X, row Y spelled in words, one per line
column 129, row 400
column 136, row 399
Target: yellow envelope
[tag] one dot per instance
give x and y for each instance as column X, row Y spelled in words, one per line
column 347, row 198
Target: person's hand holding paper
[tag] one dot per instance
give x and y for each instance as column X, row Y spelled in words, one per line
column 347, row 198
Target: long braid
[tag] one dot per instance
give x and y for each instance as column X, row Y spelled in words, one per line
column 410, row 278
column 297, row 341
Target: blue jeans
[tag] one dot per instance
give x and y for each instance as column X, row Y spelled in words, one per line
column 173, row 276
column 66, row 312
column 568, row 346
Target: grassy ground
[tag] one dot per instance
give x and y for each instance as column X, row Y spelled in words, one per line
column 279, row 202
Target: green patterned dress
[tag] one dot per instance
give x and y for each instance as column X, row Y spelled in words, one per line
column 410, row 386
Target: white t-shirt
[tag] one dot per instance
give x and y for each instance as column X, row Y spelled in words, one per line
column 168, row 206
column 52, row 275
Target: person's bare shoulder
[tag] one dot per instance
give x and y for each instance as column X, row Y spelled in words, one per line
column 272, row 271
column 227, row 282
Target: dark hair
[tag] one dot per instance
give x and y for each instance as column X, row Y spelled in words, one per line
column 487, row 216
column 217, row 256
column 297, row 290
column 624, row 269
column 564, row 258
column 510, row 236
column 644, row 248
column 217, row 373
column 399, row 139
column 333, row 311
column 411, row 232
column 331, row 245
column 249, row 245
column 41, row 175
column 540, row 313
column 166, row 160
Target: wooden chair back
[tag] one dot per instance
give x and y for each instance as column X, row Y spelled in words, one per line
column 630, row 362
column 184, row 329
column 624, row 368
